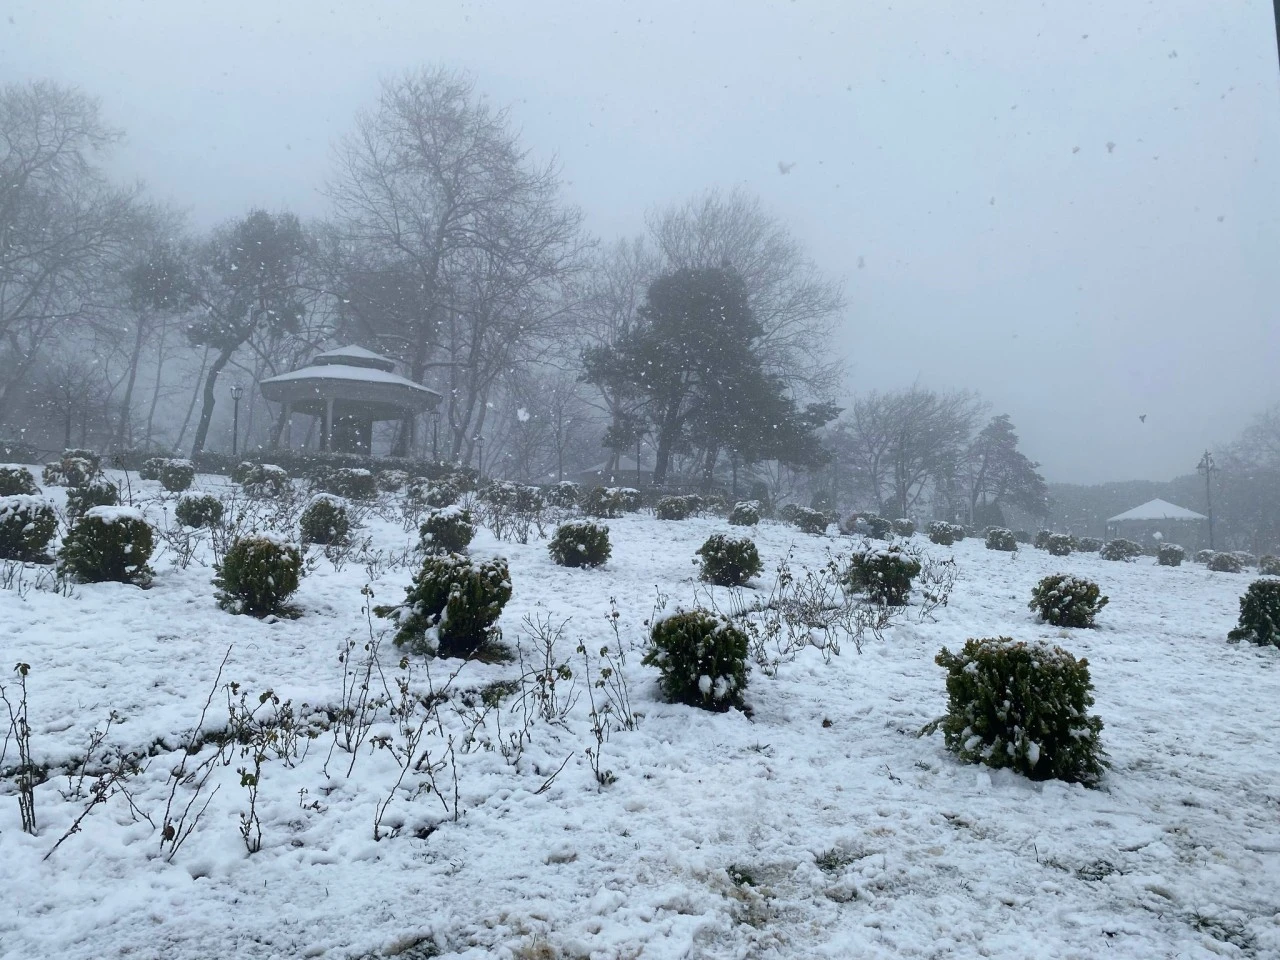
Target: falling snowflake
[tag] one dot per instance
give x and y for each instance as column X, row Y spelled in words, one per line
column 522, row 415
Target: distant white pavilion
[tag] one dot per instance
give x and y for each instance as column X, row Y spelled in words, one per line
column 1160, row 520
column 349, row 389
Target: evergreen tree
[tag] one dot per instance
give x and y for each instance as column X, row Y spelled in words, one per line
column 1000, row 474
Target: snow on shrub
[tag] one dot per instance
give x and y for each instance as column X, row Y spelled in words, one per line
column 97, row 492
column 150, row 469
column 1225, row 563
column 942, row 533
column 745, row 513
column 1259, row 614
column 1041, row 541
column 1246, row 558
column 27, row 524
column 439, row 494
column 354, row 483
column 1023, row 706
column 71, row 471
column 580, row 543
column 604, row 503
column 391, row 481
column 1204, row 556
column 729, row 561
column 261, row 479
column 17, row 481
column 1120, row 550
column 447, row 530
column 810, row 521
column 701, row 658
column 1067, row 601
column 452, row 606
column 1170, row 555
column 1269, row 566
column 1060, row 544
column 998, row 538
column 199, row 510
column 631, row 499
column 109, row 543
column 324, row 520
column 258, row 574
column 176, row 475
column 883, row 572
column 677, row 508
column 565, row 494
column 870, row 525
column 904, row 528
column 1088, row 544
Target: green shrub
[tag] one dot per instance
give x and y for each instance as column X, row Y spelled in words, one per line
column 1121, row 550
column 631, row 499
column 960, row 532
column 1088, row 544
column 1042, row 539
column 354, row 483
column 787, row 513
column 810, row 521
column 1170, row 555
column 1269, row 566
column 391, row 481
column 745, row 513
column 176, row 475
column 998, row 538
column 1246, row 558
column 98, row 492
column 1067, row 601
column 1259, row 614
column 447, row 530
column 604, row 503
column 109, row 543
column 261, row 479
column 17, row 481
column 71, row 471
column 1204, row 556
column 452, row 606
column 1060, row 545
column 580, row 543
column 199, row 510
column 729, row 561
column 258, row 574
column 564, row 494
column 883, row 572
column 150, row 469
column 1023, row 706
column 676, row 508
column 1225, row 563
column 702, row 659
column 904, row 528
column 435, row 495
column 871, row 525
column 942, row 533
column 91, row 457
column 324, row 520
column 27, row 525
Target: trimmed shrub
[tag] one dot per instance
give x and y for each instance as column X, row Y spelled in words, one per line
column 261, row 479
column 1170, row 555
column 904, row 528
column 27, row 524
column 877, row 527
column 17, row 481
column 91, row 457
column 391, row 481
column 447, row 530
column 1088, row 544
column 98, row 492
column 1246, row 558
column 1041, row 541
column 18, row 451
column 70, row 471
column 258, row 574
column 1269, row 566
column 604, row 503
column 176, row 475
column 1204, row 556
column 452, row 606
column 729, row 561
column 354, row 483
column 960, row 532
column 1259, row 614
column 324, row 520
column 1067, row 601
column 150, row 469
column 580, row 543
column 810, row 521
column 676, row 508
column 436, row 495
column 883, row 572
column 1225, row 563
column 998, row 538
column 1023, row 706
column 564, row 494
column 701, row 658
column 1060, row 545
column 787, row 512
column 109, row 543
column 199, row 510
column 1121, row 550
column 632, row 500
column 745, row 513
column 942, row 533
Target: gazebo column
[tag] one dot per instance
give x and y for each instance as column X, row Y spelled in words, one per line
column 326, row 426
column 286, row 430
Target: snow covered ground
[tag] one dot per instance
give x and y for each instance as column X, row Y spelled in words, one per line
column 820, row 826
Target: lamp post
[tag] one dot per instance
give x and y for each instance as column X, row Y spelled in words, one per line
column 237, row 392
column 1208, row 468
column 480, row 465
column 435, row 434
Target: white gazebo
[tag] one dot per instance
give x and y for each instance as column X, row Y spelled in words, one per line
column 1159, row 520
column 349, row 389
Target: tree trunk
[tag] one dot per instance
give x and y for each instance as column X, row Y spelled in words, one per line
column 206, row 410
column 122, row 431
column 709, row 468
column 155, row 392
column 186, row 421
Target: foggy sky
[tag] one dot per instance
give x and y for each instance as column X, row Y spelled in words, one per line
column 1072, row 208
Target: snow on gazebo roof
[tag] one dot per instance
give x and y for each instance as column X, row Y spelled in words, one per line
column 354, row 356
column 1158, row 510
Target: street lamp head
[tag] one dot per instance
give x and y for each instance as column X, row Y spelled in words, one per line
column 237, row 391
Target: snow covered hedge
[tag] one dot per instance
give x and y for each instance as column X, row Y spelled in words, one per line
column 998, row 538
column 1259, row 614
column 729, row 561
column 447, row 530
column 1024, row 706
column 27, row 524
column 353, row 483
column 702, row 659
column 1088, row 544
column 904, row 528
column 1060, row 545
column 1120, row 550
column 452, row 607
column 109, row 543
column 809, row 521
column 258, row 574
column 745, row 513
column 176, row 475
column 565, row 494
column 199, row 510
column 944, row 534
column 1067, row 601
column 95, row 492
column 1170, row 555
column 604, row 503
column 1225, row 563
column 440, row 493
column 391, row 481
column 17, row 481
column 883, row 572
column 261, row 479
column 1269, row 566
column 324, row 520
column 580, row 543
column 677, row 508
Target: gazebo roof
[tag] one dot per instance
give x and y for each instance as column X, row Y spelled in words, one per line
column 353, row 356
column 1158, row 510
column 351, row 376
